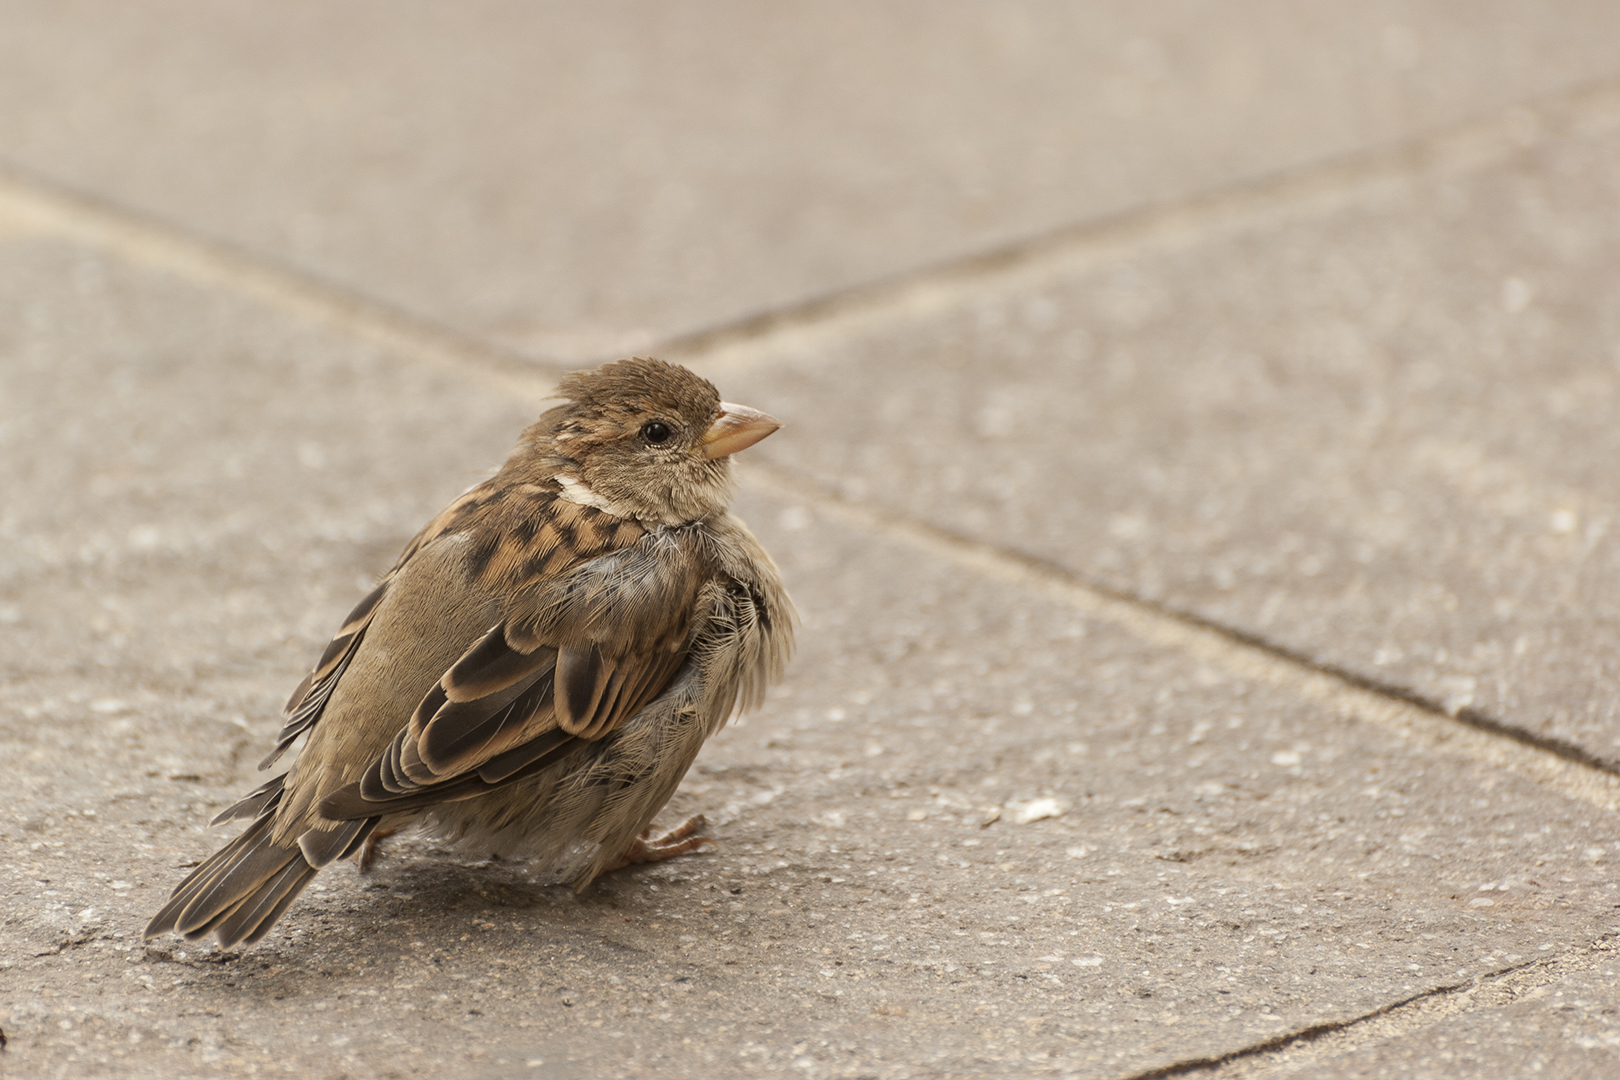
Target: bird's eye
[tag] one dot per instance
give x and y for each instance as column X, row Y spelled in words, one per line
column 656, row 431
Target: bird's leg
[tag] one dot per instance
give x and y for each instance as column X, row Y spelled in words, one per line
column 683, row 839
column 368, row 848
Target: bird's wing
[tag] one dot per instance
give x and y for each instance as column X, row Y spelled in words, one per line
column 305, row 706
column 308, row 701
column 576, row 656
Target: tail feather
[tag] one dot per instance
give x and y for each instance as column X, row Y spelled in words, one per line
column 271, row 917
column 252, row 867
column 238, row 874
column 251, row 917
column 260, row 800
column 167, row 919
column 208, row 927
column 323, row 846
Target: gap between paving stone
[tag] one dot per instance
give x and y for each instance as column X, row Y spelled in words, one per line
column 1428, row 725
column 1307, row 189
column 33, row 205
column 1323, row 1042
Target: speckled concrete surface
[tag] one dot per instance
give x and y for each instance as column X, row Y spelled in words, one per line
column 1567, row 1028
column 1006, row 816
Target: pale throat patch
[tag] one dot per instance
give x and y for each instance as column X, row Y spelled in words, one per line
column 576, row 490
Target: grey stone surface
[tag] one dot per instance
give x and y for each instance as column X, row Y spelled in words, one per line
column 1380, row 435
column 582, row 179
column 985, row 829
column 1568, row 1029
column 1224, row 862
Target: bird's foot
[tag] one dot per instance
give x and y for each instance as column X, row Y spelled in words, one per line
column 368, row 848
column 683, row 839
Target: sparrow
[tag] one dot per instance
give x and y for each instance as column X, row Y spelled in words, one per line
column 539, row 669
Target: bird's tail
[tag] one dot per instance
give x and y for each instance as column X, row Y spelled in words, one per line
column 243, row 888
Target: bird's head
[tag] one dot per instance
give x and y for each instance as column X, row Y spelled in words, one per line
column 646, row 439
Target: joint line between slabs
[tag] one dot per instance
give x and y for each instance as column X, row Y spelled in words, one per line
column 31, row 205
column 1325, row 1041
column 1569, row 770
column 1461, row 146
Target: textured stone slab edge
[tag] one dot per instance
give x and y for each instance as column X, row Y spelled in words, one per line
column 1428, row 729
column 1314, row 188
column 1324, row 1042
column 33, row 206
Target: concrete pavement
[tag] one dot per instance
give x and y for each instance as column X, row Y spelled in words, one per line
column 1197, row 485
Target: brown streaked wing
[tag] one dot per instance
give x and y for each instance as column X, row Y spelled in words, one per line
column 485, row 699
column 304, row 708
column 478, row 751
column 464, row 734
column 581, row 678
column 451, row 736
column 492, row 664
column 457, row 514
column 495, row 714
column 610, row 691
column 308, row 701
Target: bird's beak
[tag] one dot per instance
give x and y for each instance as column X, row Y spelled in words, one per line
column 738, row 428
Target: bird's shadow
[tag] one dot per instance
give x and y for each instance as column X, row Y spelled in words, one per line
column 412, row 907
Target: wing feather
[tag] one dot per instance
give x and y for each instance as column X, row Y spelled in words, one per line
column 581, row 677
column 586, row 651
column 308, row 701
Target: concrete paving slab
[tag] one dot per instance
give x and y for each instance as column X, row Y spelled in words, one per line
column 580, row 180
column 1378, row 434
column 127, row 465
column 1567, row 1028
column 978, row 830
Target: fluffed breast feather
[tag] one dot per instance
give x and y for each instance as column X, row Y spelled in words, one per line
column 757, row 612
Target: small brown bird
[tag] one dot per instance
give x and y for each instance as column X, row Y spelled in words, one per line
column 540, row 667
